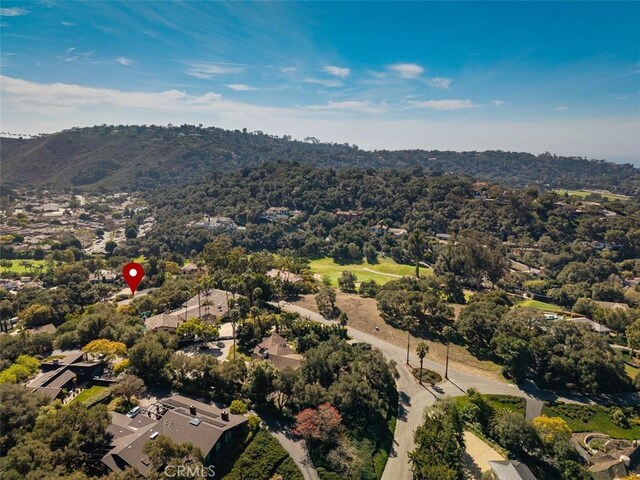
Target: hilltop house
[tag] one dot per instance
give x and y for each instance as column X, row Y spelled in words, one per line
column 273, row 214
column 218, row 223
column 182, row 419
column 274, row 349
column 349, row 214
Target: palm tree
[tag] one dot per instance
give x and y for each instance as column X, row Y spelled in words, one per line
column 422, row 349
column 447, row 333
column 234, row 315
column 415, row 245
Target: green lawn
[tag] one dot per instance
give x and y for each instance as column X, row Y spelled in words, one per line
column 592, row 418
column 504, row 402
column 547, row 307
column 584, row 194
column 88, row 393
column 386, row 269
column 16, row 267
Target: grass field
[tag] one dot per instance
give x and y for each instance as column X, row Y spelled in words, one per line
column 504, row 402
column 383, row 271
column 591, row 418
column 88, row 393
column 547, row 307
column 16, row 267
column 584, row 194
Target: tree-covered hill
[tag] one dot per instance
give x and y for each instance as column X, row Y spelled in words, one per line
column 126, row 157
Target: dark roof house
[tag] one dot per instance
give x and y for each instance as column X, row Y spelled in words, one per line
column 180, row 418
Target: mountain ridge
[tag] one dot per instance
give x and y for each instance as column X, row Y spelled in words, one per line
column 142, row 157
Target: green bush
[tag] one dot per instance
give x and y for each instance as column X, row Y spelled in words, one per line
column 262, row 459
column 238, row 407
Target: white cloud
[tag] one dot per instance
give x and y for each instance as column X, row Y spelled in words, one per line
column 407, row 70
column 127, row 62
column 67, row 24
column 240, row 87
column 439, row 82
column 447, row 104
column 13, row 12
column 324, row 82
column 340, row 72
column 350, row 105
column 561, row 108
column 288, row 69
column 497, row 102
column 211, row 69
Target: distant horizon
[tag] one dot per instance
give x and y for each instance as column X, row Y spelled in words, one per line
column 634, row 162
column 383, row 75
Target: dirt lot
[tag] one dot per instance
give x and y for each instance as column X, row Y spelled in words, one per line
column 477, row 456
column 363, row 315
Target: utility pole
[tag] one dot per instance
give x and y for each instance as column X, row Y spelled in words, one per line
column 408, row 344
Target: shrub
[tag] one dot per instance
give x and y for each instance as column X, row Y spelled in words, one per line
column 254, row 423
column 238, row 407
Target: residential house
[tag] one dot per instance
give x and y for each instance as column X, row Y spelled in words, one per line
column 61, row 374
column 284, row 275
column 274, row 349
column 510, row 470
column 349, row 214
column 273, row 214
column 213, row 430
column 218, row 223
column 211, row 305
column 595, row 326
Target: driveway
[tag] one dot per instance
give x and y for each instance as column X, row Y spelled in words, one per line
column 295, row 447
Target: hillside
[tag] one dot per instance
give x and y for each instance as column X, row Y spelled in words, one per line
column 126, row 157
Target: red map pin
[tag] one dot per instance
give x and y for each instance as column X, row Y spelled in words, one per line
column 133, row 273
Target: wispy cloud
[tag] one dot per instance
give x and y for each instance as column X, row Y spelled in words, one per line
column 340, row 72
column 211, row 69
column 447, row 104
column 73, row 55
column 439, row 82
column 67, row 24
column 240, row 87
column 350, row 105
column 13, row 12
column 127, row 62
column 497, row 102
column 325, row 82
column 288, row 69
column 407, row 70
column 561, row 108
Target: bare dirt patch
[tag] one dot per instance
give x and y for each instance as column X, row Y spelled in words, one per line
column 364, row 316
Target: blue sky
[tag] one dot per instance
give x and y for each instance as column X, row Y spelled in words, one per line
column 562, row 77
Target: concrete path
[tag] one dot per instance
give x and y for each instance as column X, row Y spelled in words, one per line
column 477, row 456
column 534, row 408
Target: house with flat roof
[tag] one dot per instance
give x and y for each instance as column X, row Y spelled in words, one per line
column 274, row 349
column 61, row 374
column 183, row 420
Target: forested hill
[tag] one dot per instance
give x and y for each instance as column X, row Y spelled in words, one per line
column 124, row 157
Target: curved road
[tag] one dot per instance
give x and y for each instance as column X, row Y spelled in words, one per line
column 414, row 398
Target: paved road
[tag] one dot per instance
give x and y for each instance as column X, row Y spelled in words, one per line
column 414, row 398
